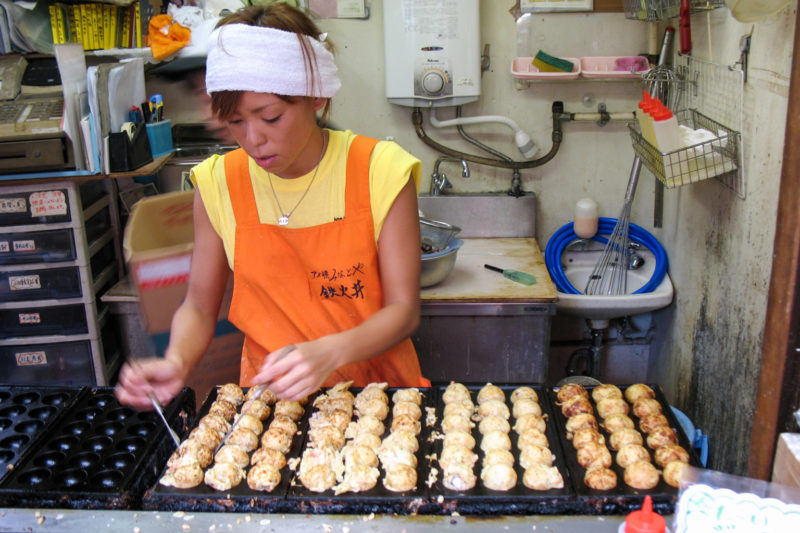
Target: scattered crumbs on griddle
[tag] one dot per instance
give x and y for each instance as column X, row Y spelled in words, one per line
column 432, row 476
column 430, row 416
column 293, row 462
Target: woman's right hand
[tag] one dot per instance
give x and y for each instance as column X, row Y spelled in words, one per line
column 164, row 377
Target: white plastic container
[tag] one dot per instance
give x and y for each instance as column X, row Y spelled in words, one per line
column 666, row 130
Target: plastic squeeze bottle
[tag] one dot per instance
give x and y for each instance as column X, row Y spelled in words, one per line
column 666, row 130
column 644, row 520
column 585, row 223
column 644, row 118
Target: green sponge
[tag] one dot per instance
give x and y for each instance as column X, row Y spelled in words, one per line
column 547, row 63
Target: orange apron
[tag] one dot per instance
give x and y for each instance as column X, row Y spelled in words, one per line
column 298, row 284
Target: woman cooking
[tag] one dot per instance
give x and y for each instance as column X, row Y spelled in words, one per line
column 320, row 227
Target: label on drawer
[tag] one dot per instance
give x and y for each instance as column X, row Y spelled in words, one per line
column 30, row 318
column 46, row 203
column 13, row 205
column 4, row 246
column 25, row 246
column 24, row 283
column 31, row 358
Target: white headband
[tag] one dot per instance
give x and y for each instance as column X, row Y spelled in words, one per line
column 265, row 60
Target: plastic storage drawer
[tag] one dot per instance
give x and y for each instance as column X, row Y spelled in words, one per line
column 35, row 321
column 58, row 363
column 41, row 206
column 40, row 284
column 52, row 246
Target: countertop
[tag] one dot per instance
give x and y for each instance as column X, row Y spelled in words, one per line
column 471, row 282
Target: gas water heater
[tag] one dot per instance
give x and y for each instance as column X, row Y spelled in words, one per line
column 432, row 52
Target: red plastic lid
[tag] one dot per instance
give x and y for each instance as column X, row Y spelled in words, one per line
column 645, row 520
column 661, row 112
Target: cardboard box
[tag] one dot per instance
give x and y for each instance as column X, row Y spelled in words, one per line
column 158, row 244
column 786, row 468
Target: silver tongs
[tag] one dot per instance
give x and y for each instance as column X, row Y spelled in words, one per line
column 156, row 404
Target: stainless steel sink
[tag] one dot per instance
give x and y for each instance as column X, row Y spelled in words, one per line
column 484, row 215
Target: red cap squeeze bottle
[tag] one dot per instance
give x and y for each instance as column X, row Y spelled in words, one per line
column 644, row 520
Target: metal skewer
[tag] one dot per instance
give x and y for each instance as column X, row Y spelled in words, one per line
column 156, row 404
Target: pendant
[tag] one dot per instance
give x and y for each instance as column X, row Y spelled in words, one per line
column 283, row 221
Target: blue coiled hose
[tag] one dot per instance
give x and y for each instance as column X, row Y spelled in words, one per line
column 605, row 226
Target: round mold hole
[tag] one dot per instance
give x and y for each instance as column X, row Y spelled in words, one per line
column 71, row 477
column 5, row 423
column 12, row 411
column 4, row 395
column 76, row 428
column 89, row 413
column 49, row 459
column 14, row 442
column 6, row 456
column 64, row 443
column 143, row 429
column 42, row 412
column 29, row 426
column 85, row 460
column 131, row 444
column 119, row 461
column 27, row 398
column 106, row 478
column 55, row 399
column 123, row 413
column 109, row 428
column 97, row 444
column 35, row 477
column 101, row 400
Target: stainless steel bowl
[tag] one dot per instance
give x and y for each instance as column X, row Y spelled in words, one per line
column 435, row 234
column 437, row 266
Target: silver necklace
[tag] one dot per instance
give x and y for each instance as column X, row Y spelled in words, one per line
column 283, row 220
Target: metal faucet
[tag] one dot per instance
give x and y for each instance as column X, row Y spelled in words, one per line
column 439, row 181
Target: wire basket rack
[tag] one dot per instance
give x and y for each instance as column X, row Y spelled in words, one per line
column 652, row 10
column 717, row 157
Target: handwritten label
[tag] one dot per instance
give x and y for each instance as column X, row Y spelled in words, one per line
column 354, row 291
column 31, row 358
column 13, row 205
column 25, row 283
column 4, row 247
column 25, row 246
column 48, row 203
column 30, row 318
column 340, row 282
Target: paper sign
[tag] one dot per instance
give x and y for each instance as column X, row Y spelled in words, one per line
column 48, row 203
column 31, row 358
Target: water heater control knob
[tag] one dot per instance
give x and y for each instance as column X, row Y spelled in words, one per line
column 433, row 81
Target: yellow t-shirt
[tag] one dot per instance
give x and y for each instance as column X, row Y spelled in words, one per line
column 390, row 168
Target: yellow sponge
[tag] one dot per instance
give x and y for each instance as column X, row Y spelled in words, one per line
column 547, row 63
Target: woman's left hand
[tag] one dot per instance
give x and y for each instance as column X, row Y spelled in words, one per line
column 295, row 372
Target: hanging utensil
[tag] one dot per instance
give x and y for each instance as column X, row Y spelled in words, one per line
column 685, row 24
column 657, row 84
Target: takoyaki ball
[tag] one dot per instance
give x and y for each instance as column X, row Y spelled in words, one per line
column 632, row 453
column 526, row 422
column 205, row 436
column 536, row 455
column 250, row 422
column 524, row 407
column 641, row 475
column 646, row 406
column 457, row 454
column 459, row 438
column 231, row 392
column 216, row 423
column 277, row 440
column 456, row 393
column 285, row 424
column 266, row 396
column 325, row 404
column 494, row 408
column 358, row 478
column 342, row 397
column 367, row 439
column 326, row 436
column 393, row 455
column 324, row 455
column 524, row 393
column 370, row 394
column 584, row 436
column 407, row 408
column 292, row 409
column 231, row 453
column 337, row 418
column 223, row 476
column 318, row 478
column 494, row 457
column 498, row 477
column 224, row 408
column 531, row 437
column 651, row 422
column 263, row 477
column 600, row 479
column 244, row 438
column 353, row 454
column 459, row 477
column 268, row 455
column 412, row 395
column 594, row 455
column 614, row 423
column 494, row 423
column 400, row 478
column 402, row 438
column 612, row 406
column 579, row 422
column 606, row 390
column 542, row 477
column 491, row 392
column 258, row 408
column 341, row 388
column 576, row 405
column 377, row 408
column 190, row 451
column 674, row 471
column 624, row 436
column 456, row 423
column 669, row 453
column 495, row 440
column 640, row 390
column 185, row 476
column 662, row 436
column 459, row 408
column 365, row 424
column 406, row 423
column 571, row 390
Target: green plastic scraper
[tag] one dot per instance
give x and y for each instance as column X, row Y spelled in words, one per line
column 514, row 275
